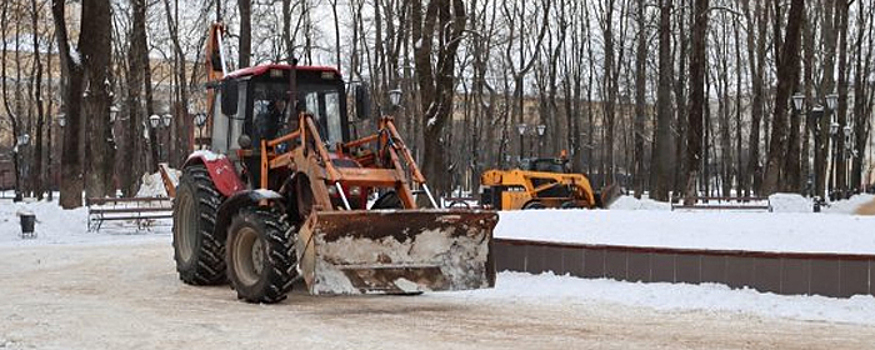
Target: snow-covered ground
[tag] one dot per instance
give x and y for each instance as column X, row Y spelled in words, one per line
column 547, row 288
column 57, row 226
column 653, row 226
column 729, row 230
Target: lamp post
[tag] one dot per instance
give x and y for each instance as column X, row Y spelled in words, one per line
column 166, row 121
column 200, row 120
column 834, row 159
column 815, row 116
column 21, row 143
column 395, row 99
column 846, row 155
column 154, row 122
column 521, row 127
column 62, row 120
column 541, row 129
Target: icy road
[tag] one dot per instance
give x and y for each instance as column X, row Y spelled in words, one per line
column 124, row 294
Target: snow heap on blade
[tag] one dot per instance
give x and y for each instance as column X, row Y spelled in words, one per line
column 396, row 251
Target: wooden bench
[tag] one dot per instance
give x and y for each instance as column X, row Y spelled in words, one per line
column 141, row 210
column 723, row 203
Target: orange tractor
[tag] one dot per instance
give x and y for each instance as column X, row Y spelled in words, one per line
column 282, row 196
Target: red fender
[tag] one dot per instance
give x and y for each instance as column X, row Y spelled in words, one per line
column 221, row 170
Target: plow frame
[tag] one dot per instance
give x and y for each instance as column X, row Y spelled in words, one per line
column 382, row 169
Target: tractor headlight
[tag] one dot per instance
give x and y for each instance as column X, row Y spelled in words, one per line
column 355, row 191
column 332, row 191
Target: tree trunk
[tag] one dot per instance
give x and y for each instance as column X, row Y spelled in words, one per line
column 96, row 46
column 697, row 97
column 245, row 8
column 788, row 75
column 71, row 161
column 445, row 18
column 842, row 112
column 136, row 73
column 662, row 152
column 37, row 96
column 640, row 91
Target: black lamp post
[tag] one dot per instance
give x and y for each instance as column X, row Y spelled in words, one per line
column 846, row 155
column 395, row 98
column 521, row 127
column 815, row 116
column 200, row 120
column 541, row 129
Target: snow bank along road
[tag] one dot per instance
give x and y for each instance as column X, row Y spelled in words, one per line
column 125, row 295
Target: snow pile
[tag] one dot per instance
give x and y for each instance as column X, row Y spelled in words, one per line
column 632, row 203
column 791, row 203
column 730, row 230
column 849, row 206
column 206, row 155
column 515, row 287
column 55, row 225
column 151, row 185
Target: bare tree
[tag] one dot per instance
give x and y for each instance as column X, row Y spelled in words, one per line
column 697, row 97
column 71, row 160
column 662, row 153
column 438, row 35
column 640, row 92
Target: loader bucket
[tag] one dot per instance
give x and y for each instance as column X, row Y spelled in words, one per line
column 396, row 251
column 609, row 195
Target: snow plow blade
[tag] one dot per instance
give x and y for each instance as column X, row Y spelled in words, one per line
column 609, row 195
column 396, row 251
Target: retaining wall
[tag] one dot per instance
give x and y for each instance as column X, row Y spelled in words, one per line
column 833, row 275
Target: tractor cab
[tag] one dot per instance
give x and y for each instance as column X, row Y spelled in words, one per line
column 255, row 105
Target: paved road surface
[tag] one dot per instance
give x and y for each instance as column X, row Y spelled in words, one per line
column 127, row 296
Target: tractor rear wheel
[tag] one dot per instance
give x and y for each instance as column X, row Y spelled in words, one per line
column 260, row 256
column 198, row 250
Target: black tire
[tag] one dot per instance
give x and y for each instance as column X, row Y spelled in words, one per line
column 260, row 256
column 569, row 205
column 388, row 200
column 198, row 250
column 533, row 205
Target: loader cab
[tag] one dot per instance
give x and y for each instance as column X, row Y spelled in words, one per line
column 255, row 102
column 548, row 165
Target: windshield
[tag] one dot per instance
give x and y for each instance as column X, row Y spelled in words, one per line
column 272, row 117
column 548, row 165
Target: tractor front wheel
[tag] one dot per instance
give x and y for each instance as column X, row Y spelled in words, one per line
column 260, row 256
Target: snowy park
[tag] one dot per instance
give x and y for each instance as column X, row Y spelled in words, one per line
column 124, row 277
column 437, row 174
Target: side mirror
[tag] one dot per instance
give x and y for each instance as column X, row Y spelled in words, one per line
column 362, row 102
column 229, row 97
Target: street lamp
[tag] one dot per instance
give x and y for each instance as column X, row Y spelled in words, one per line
column 113, row 112
column 521, row 127
column 816, row 114
column 831, row 101
column 541, row 129
column 166, row 119
column 62, row 120
column 200, row 120
column 798, row 98
column 395, row 97
column 154, row 120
